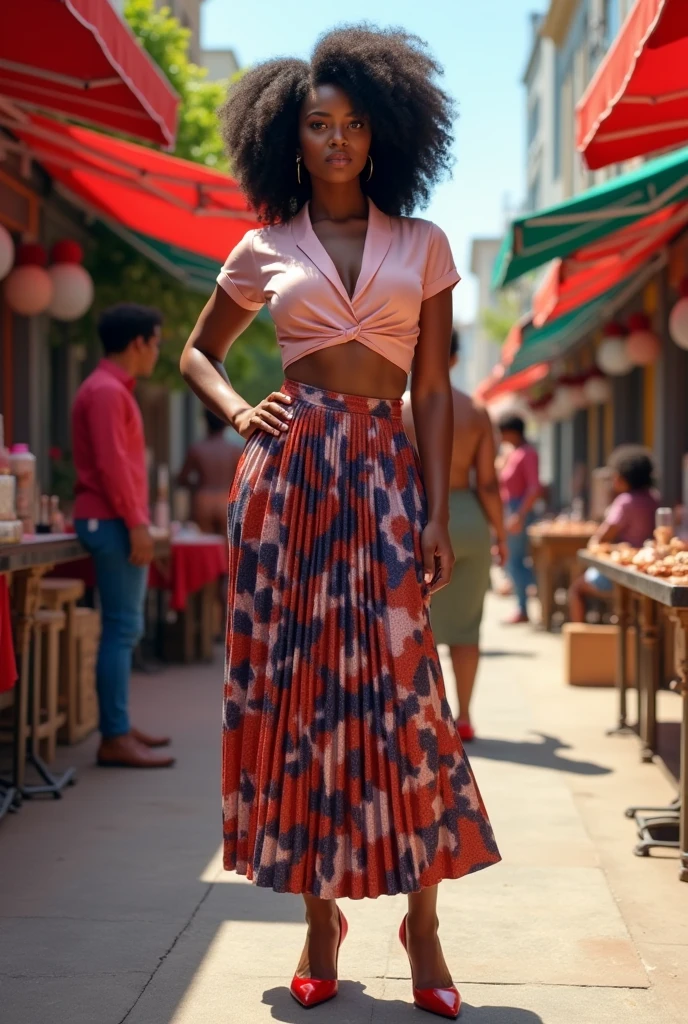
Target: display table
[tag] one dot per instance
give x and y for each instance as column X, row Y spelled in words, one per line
column 195, row 560
column 190, row 574
column 26, row 563
column 655, row 597
column 554, row 548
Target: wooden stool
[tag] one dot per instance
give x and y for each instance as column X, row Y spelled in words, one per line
column 82, row 707
column 45, row 716
column 59, row 594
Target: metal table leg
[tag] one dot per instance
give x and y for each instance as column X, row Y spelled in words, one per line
column 622, row 600
column 680, row 618
column 648, row 629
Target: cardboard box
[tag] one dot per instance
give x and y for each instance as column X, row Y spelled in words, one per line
column 590, row 655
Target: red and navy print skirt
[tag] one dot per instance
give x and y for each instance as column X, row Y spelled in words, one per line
column 342, row 772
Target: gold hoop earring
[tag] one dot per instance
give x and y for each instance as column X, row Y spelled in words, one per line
column 298, row 169
column 371, row 168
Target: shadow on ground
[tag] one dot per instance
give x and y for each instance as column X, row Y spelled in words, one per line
column 544, row 754
column 506, row 654
column 354, row 1005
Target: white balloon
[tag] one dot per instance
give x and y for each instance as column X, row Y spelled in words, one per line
column 598, row 390
column 678, row 323
column 572, row 396
column 73, row 291
column 562, row 406
column 643, row 347
column 612, row 357
column 28, row 290
column 6, row 252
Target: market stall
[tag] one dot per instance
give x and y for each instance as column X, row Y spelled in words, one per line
column 554, row 547
column 662, row 594
column 25, row 564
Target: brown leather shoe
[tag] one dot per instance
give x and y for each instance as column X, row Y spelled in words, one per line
column 150, row 741
column 127, row 752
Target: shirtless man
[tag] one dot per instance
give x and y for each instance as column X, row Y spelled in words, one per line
column 474, row 506
column 209, row 471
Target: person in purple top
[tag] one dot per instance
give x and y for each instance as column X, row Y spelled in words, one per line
column 630, row 518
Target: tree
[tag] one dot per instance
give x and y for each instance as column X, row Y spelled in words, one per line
column 120, row 273
column 498, row 321
column 167, row 42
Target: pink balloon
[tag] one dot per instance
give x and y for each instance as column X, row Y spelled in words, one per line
column 28, row 290
column 643, row 347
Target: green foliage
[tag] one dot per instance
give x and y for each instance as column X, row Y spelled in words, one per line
column 167, row 41
column 122, row 274
column 498, row 322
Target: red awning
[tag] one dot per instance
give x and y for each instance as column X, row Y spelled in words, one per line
column 497, row 385
column 592, row 271
column 80, row 59
column 174, row 201
column 637, row 102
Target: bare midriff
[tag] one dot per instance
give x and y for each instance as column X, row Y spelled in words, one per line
column 349, row 369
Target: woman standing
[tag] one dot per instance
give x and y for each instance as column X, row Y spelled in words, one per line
column 342, row 771
column 475, row 509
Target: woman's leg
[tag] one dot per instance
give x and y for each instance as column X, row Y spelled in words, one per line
column 425, row 952
column 319, row 957
column 578, row 591
column 465, row 658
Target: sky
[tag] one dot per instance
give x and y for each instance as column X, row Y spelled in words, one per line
column 483, row 46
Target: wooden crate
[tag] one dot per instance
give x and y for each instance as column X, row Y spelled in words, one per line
column 590, row 654
column 80, row 701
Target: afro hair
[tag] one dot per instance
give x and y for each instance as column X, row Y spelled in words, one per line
column 388, row 75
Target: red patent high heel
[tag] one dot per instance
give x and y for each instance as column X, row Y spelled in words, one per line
column 445, row 1002
column 313, row 991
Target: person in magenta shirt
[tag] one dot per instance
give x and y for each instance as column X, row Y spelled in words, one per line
column 519, row 482
column 111, row 517
column 630, row 518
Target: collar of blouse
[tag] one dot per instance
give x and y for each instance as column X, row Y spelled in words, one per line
column 377, row 242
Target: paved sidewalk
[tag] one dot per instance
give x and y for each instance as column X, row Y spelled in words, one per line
column 114, row 908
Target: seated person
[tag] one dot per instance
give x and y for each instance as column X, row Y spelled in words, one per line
column 630, row 519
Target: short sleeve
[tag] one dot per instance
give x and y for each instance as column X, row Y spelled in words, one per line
column 440, row 271
column 617, row 513
column 239, row 276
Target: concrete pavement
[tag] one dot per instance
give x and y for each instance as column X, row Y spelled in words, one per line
column 114, row 908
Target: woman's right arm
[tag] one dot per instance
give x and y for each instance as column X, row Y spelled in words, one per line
column 487, row 485
column 202, row 365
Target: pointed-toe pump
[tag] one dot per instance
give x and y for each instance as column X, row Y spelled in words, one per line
column 314, row 991
column 445, row 1002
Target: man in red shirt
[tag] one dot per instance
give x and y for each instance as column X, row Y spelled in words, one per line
column 111, row 517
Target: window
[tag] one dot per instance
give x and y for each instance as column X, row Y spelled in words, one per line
column 533, row 200
column 612, row 21
column 533, row 119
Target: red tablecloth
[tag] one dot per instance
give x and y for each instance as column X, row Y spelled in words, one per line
column 8, row 665
column 194, row 562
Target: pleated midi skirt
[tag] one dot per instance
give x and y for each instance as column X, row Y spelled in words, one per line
column 342, row 772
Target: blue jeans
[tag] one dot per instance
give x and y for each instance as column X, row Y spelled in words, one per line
column 122, row 588
column 520, row 573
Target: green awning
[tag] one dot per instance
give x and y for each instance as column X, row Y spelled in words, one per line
column 196, row 272
column 559, row 230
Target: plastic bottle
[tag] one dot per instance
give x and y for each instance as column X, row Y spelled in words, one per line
column 7, row 483
column 23, row 468
column 57, row 519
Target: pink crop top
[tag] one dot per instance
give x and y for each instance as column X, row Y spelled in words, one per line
column 405, row 260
